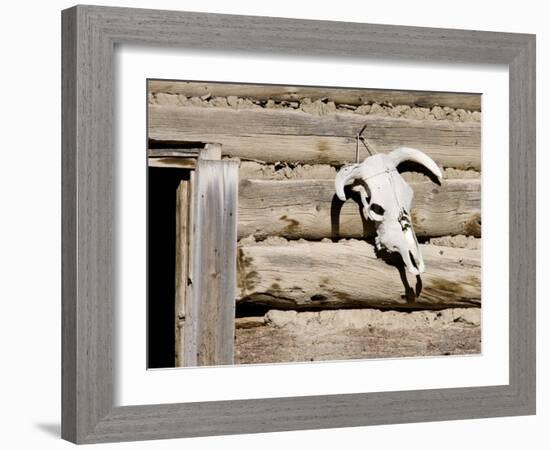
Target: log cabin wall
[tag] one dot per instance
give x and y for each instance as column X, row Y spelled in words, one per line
column 303, row 256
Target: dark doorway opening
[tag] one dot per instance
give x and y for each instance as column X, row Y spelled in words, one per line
column 161, row 264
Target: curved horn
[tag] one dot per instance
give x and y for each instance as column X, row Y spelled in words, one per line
column 410, row 154
column 346, row 175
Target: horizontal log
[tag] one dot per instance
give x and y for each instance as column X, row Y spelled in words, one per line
column 348, row 96
column 295, row 136
column 309, row 209
column 285, row 336
column 306, row 275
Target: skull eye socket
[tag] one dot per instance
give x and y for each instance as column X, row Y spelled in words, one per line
column 377, row 209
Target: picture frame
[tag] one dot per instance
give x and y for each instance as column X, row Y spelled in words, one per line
column 90, row 34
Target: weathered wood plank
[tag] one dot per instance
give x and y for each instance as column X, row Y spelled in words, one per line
column 210, row 312
column 190, row 334
column 184, row 158
column 277, row 135
column 303, row 275
column 174, row 152
column 182, row 253
column 308, row 209
column 350, row 96
column 332, row 335
column 172, row 162
column 212, row 151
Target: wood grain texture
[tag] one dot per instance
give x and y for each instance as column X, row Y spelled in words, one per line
column 89, row 36
column 183, row 200
column 210, row 311
column 349, row 96
column 522, row 243
column 172, row 162
column 182, row 158
column 344, row 334
column 212, row 151
column 308, row 209
column 174, row 152
column 88, row 191
column 324, row 275
column 270, row 345
column 69, row 260
column 168, row 421
column 282, row 135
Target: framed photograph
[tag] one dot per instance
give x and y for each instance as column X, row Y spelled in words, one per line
column 266, row 230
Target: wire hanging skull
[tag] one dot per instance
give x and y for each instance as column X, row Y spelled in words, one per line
column 387, row 200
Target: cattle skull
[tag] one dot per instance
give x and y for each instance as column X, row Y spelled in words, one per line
column 387, row 199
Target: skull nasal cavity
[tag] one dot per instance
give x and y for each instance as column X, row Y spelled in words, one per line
column 377, row 209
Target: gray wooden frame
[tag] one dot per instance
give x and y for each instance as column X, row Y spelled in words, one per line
column 89, row 36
